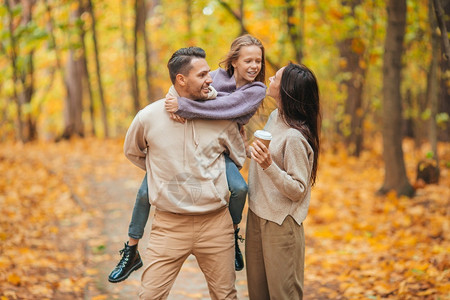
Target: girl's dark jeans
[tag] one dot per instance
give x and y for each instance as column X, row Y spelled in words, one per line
column 236, row 184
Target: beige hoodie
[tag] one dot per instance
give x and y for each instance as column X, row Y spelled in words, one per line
column 184, row 162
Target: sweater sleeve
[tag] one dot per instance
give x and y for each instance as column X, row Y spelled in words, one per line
column 135, row 145
column 243, row 102
column 293, row 182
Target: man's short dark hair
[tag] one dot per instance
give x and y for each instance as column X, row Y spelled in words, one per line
column 180, row 62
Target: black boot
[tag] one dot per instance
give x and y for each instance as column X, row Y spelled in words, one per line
column 238, row 259
column 131, row 261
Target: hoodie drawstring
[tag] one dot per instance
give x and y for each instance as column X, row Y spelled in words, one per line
column 190, row 123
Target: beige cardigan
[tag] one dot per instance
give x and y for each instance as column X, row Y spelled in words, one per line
column 284, row 187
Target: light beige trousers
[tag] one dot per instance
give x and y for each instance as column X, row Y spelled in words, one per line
column 275, row 258
column 210, row 238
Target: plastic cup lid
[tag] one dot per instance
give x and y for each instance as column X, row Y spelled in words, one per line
column 262, row 134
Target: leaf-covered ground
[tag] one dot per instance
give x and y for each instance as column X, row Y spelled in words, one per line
column 359, row 246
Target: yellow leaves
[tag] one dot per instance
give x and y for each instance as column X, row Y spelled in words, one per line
column 323, row 233
column 337, row 14
column 358, row 46
column 14, row 279
column 326, row 212
column 376, row 247
column 43, row 227
column 358, row 245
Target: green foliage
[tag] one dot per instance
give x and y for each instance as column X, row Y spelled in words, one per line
column 425, row 115
column 429, row 155
column 442, row 120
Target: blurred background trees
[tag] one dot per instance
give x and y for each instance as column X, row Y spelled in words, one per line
column 85, row 67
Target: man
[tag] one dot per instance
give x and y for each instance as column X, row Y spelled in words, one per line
column 187, row 184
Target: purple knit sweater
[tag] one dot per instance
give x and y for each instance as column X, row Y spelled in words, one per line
column 238, row 105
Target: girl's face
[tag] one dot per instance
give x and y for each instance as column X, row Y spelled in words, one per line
column 248, row 65
column 274, row 86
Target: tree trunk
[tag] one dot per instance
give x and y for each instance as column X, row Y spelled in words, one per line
column 27, row 77
column 443, row 27
column 294, row 31
column 444, row 97
column 125, row 50
column 98, row 70
column 432, row 84
column 190, row 34
column 30, row 133
column 395, row 172
column 15, row 71
column 135, row 78
column 23, row 77
column 352, row 50
column 147, row 51
column 86, row 76
column 73, row 122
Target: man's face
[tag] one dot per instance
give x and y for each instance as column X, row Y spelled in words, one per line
column 198, row 80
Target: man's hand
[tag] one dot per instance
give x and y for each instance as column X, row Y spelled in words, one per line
column 261, row 154
column 171, row 103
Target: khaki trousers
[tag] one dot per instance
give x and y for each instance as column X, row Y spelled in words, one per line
column 210, row 238
column 275, row 258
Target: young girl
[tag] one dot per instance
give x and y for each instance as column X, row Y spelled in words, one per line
column 280, row 181
column 241, row 89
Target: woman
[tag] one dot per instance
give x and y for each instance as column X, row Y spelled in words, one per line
column 240, row 90
column 280, row 181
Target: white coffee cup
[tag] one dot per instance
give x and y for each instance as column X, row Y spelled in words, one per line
column 264, row 136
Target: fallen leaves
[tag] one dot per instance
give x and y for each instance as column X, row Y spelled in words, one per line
column 377, row 247
column 44, row 218
column 358, row 245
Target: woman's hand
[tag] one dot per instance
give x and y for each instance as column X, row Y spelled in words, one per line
column 261, row 154
column 171, row 103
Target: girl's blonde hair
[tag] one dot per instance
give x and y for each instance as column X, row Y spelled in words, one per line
column 235, row 49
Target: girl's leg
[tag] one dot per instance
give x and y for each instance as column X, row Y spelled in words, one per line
column 140, row 214
column 131, row 260
column 238, row 189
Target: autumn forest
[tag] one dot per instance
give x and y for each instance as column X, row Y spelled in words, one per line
column 75, row 73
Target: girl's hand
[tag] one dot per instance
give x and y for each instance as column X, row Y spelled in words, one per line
column 177, row 118
column 171, row 103
column 261, row 154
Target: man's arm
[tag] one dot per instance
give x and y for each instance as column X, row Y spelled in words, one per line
column 135, row 145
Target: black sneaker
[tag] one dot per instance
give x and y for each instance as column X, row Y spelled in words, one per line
column 238, row 259
column 131, row 261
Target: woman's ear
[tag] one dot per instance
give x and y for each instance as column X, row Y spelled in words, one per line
column 180, row 79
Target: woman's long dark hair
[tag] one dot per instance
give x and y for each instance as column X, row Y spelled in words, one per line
column 300, row 106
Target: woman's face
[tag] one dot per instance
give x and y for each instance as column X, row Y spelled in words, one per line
column 274, row 86
column 248, row 65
